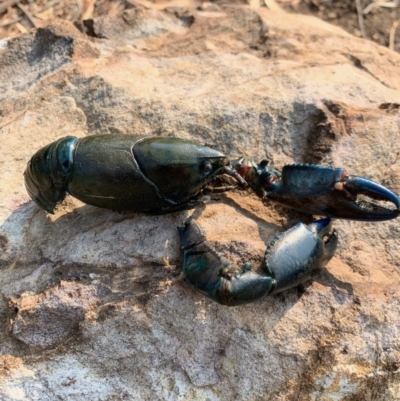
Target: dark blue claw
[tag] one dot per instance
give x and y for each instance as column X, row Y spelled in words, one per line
column 295, row 255
column 291, row 258
column 359, row 186
column 324, row 191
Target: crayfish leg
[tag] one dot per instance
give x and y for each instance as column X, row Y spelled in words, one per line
column 214, row 276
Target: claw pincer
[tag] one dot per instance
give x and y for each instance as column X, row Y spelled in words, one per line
column 320, row 190
column 291, row 258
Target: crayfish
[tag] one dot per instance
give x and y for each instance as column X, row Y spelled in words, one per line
column 161, row 175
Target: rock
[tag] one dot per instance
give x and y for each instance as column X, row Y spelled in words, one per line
column 93, row 302
column 38, row 324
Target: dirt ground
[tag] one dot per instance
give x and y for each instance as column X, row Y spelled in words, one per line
column 377, row 20
column 18, row 17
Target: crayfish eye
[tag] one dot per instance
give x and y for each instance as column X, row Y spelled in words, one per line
column 206, row 168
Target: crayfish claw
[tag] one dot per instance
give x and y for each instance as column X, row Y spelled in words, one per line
column 324, row 191
column 295, row 255
column 290, row 259
column 369, row 200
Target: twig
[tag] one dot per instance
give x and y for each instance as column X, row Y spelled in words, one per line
column 9, row 3
column 161, row 6
column 272, row 5
column 376, row 4
column 88, row 13
column 392, row 34
column 47, row 6
column 6, row 4
column 21, row 28
column 360, row 18
column 369, row 8
column 10, row 22
column 28, row 14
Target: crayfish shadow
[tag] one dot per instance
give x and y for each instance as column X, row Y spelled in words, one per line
column 339, row 288
column 250, row 206
column 89, row 244
column 130, row 254
column 271, row 213
column 115, row 258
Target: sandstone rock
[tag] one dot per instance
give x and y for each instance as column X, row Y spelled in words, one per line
column 38, row 324
column 93, row 302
